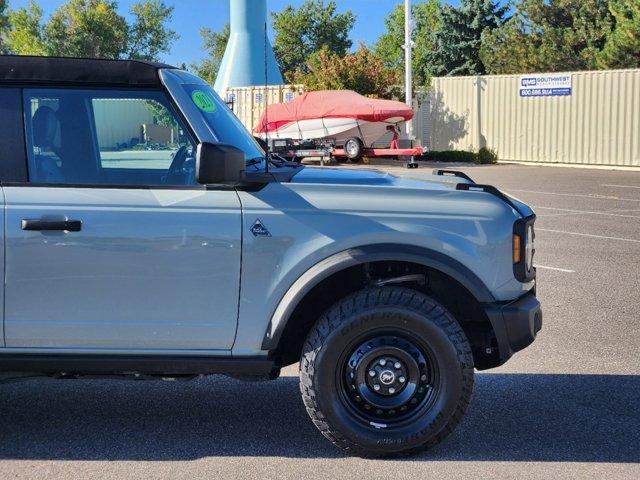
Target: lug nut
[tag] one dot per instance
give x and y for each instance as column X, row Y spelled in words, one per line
column 372, row 373
column 383, row 362
column 397, row 365
column 392, row 390
column 402, row 379
column 423, row 378
column 376, row 387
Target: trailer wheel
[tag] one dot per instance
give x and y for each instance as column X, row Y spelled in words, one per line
column 354, row 148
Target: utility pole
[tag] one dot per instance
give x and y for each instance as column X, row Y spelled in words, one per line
column 408, row 61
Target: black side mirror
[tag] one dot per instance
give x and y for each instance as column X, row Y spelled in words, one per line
column 219, row 164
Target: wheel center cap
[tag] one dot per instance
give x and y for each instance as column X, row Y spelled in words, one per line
column 387, row 377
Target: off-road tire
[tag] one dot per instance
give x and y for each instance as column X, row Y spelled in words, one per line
column 389, row 309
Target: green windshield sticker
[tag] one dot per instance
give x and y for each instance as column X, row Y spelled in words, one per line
column 203, row 101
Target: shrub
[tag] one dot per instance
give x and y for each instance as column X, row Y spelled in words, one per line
column 450, row 156
column 486, row 156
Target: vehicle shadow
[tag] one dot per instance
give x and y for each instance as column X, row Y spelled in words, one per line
column 513, row 417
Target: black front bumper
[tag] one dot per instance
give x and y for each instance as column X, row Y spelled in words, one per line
column 515, row 324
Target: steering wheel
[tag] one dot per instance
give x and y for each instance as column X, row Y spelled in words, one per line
column 175, row 170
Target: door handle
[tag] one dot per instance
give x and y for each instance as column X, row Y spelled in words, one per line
column 52, row 225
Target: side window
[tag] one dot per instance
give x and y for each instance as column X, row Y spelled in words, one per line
column 106, row 138
column 141, row 138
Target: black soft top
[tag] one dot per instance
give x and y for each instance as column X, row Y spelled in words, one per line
column 78, row 71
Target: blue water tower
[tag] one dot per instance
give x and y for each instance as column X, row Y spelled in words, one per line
column 243, row 64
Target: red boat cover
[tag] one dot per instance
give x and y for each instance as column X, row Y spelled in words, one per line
column 332, row 104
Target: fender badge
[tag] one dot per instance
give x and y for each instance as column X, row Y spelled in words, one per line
column 259, row 230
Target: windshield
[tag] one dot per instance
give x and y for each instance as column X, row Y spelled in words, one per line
column 222, row 121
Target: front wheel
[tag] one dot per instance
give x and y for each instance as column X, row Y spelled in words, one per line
column 386, row 371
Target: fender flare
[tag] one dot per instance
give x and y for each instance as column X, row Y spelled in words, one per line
column 366, row 254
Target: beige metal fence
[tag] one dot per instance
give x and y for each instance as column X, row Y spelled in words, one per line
column 597, row 123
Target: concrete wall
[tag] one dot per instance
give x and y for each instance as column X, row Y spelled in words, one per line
column 597, row 124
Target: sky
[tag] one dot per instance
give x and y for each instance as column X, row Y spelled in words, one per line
column 191, row 15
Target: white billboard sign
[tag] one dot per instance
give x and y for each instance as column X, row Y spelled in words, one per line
column 543, row 85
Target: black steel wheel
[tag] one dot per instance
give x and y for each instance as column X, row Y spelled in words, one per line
column 388, row 379
column 386, row 371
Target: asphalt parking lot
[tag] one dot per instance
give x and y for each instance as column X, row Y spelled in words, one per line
column 567, row 407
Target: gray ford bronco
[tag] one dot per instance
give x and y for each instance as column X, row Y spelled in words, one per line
column 147, row 235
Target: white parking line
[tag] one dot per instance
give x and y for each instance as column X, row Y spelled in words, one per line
column 620, row 186
column 632, row 240
column 583, row 212
column 556, row 269
column 627, row 210
column 594, row 196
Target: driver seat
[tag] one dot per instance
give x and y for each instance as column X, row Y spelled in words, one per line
column 47, row 162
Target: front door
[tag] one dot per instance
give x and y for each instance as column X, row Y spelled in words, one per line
column 111, row 245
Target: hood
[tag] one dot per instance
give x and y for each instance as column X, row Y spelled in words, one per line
column 374, row 178
column 343, row 176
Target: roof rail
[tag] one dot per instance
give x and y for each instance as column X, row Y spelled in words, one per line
column 453, row 173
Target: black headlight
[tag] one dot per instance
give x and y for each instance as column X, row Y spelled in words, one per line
column 523, row 249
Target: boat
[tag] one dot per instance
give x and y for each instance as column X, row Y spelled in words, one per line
column 334, row 115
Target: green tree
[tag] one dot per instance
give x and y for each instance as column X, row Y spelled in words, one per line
column 24, row 32
column 301, row 32
column 86, row 28
column 4, row 25
column 362, row 71
column 549, row 36
column 149, row 35
column 215, row 44
column 458, row 42
column 92, row 28
column 426, row 18
column 622, row 48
